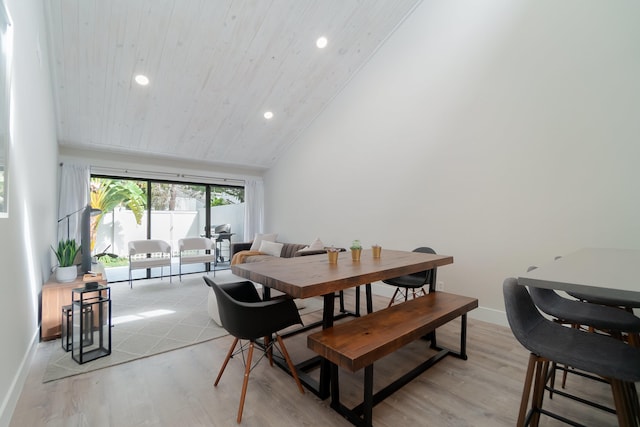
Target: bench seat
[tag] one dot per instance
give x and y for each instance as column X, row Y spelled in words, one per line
column 358, row 343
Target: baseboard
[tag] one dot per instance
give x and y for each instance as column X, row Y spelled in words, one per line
column 11, row 398
column 490, row 315
column 484, row 314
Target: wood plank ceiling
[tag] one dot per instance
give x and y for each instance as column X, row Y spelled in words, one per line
column 215, row 66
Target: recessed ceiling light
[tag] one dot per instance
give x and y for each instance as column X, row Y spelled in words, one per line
column 268, row 115
column 142, row 80
column 321, row 42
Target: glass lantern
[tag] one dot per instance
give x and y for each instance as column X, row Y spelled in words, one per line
column 91, row 319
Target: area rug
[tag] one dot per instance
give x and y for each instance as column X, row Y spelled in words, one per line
column 154, row 317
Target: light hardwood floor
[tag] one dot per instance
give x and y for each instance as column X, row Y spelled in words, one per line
column 176, row 389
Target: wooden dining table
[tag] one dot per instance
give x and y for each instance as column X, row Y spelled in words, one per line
column 600, row 272
column 310, row 276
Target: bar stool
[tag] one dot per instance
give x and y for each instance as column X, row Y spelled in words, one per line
column 550, row 342
column 610, row 320
column 634, row 338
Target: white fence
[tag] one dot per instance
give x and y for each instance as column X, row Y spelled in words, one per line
column 117, row 228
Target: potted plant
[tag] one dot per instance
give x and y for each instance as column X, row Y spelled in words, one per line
column 332, row 253
column 376, row 250
column 356, row 250
column 66, row 253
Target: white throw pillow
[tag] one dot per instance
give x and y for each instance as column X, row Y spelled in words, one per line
column 258, row 238
column 317, row 245
column 271, row 248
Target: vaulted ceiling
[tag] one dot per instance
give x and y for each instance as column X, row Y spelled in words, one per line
column 215, row 67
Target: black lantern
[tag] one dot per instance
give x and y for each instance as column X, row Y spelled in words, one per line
column 91, row 314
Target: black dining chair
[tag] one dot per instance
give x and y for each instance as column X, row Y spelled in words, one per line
column 246, row 317
column 413, row 283
column 549, row 341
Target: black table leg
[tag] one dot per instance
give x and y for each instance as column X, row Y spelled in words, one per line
column 325, row 369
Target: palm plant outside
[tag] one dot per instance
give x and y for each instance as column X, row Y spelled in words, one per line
column 107, row 194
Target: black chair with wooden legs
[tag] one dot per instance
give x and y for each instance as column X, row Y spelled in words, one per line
column 246, row 317
column 413, row 283
column 549, row 342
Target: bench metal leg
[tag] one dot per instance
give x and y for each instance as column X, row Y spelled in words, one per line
column 368, row 395
column 362, row 415
column 335, row 387
column 463, row 338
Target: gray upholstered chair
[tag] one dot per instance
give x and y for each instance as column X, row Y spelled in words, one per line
column 245, row 316
column 549, row 341
column 413, row 283
column 594, row 317
column 149, row 254
column 609, row 319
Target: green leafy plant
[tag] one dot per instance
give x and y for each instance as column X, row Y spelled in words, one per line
column 108, row 261
column 356, row 245
column 66, row 252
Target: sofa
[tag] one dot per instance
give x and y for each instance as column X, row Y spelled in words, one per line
column 289, row 250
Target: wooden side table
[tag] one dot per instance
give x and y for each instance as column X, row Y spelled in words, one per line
column 55, row 295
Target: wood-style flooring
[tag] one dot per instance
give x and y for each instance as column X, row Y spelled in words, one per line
column 176, row 388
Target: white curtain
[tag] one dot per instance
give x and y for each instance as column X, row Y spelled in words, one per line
column 74, row 196
column 254, row 208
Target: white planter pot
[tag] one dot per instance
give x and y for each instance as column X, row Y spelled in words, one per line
column 66, row 274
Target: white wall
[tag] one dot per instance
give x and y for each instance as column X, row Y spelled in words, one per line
column 500, row 132
column 26, row 234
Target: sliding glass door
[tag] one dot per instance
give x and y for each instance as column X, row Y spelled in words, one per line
column 177, row 211
column 149, row 209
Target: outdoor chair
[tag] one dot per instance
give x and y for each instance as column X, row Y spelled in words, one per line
column 196, row 250
column 149, row 254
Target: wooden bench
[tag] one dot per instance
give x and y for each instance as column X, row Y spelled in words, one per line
column 358, row 343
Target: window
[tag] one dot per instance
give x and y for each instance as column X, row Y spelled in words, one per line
column 6, row 45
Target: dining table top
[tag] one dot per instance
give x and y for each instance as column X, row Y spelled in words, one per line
column 313, row 275
column 600, row 272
